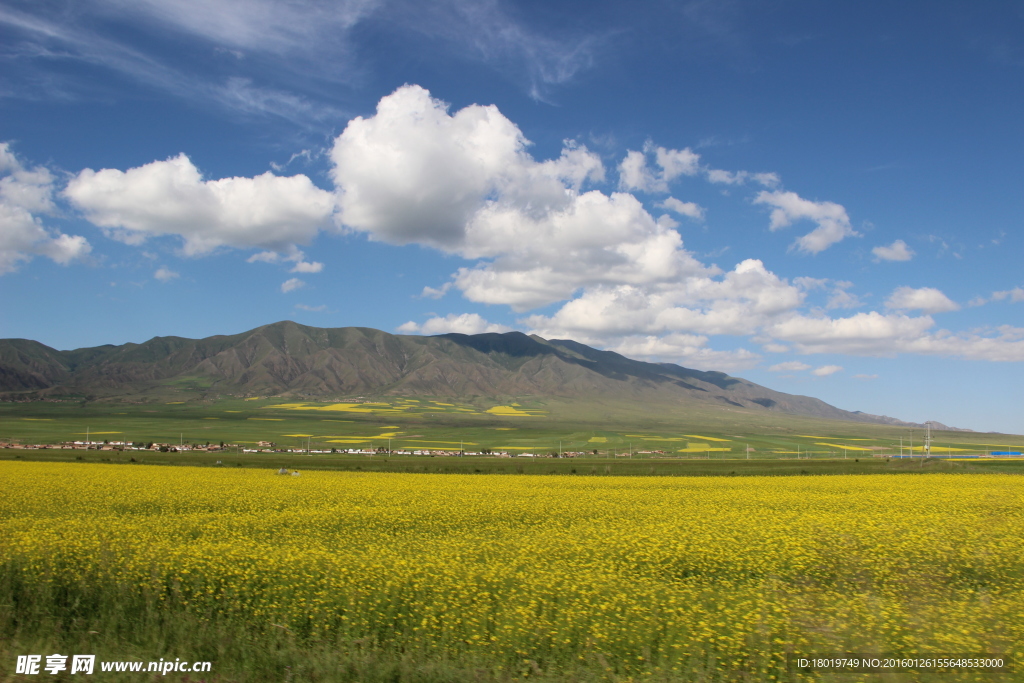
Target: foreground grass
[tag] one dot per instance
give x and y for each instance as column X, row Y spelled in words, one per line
column 334, row 576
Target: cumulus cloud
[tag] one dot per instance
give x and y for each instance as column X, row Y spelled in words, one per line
column 689, row 350
column 833, row 223
column 386, row 168
column 841, row 298
column 826, row 370
column 307, row 267
column 542, row 237
column 435, row 292
column 635, row 174
column 1014, row 295
column 291, row 285
column 789, row 366
column 25, row 193
column 739, row 303
column 464, row 323
column 875, row 334
column 165, row 274
column 925, row 299
column 688, row 209
column 870, row 333
column 897, row 251
column 720, row 177
column 772, row 347
column 172, row 198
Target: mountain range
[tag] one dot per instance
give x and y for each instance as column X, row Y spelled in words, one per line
column 291, row 360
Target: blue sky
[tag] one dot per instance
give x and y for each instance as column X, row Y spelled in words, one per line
column 824, row 198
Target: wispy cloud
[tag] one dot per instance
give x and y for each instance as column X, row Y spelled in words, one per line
column 44, row 41
column 274, row 58
column 291, row 285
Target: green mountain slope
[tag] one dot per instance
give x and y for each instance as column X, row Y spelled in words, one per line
column 287, row 359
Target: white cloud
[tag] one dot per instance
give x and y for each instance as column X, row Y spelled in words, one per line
column 685, row 349
column 865, row 377
column 833, row 223
column 676, row 162
column 841, row 298
column 24, row 193
column 465, row 323
column 597, row 240
column 485, row 32
column 634, row 173
column 875, row 334
column 312, row 309
column 291, row 285
column 435, row 292
column 1015, row 295
column 307, row 267
column 264, row 257
column 544, row 236
column 789, row 366
column 744, row 299
column 826, row 370
column 926, row 299
column 172, row 198
column 861, row 334
column 767, row 179
column 251, row 25
column 897, row 251
column 720, row 177
column 165, row 274
column 688, row 209
column 771, row 347
column 386, row 168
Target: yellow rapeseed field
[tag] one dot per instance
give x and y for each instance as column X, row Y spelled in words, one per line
column 629, row 576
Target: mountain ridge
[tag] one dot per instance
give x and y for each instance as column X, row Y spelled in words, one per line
column 292, row 360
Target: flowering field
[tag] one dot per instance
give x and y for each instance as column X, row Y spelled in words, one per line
column 714, row 578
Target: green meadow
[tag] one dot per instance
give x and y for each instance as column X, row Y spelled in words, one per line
column 602, row 430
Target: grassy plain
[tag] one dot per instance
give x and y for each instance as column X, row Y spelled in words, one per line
column 690, row 431
column 365, row 576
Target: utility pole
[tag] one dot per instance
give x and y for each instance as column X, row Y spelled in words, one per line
column 927, row 442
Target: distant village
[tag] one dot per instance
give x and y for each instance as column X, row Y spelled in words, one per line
column 271, row 447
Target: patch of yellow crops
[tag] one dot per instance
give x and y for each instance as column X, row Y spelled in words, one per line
column 840, row 445
column 644, row 574
column 698, row 448
column 706, row 438
column 513, row 411
column 341, row 407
